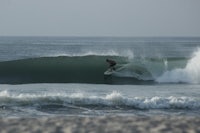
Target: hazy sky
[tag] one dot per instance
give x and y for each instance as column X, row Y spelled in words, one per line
column 100, row 17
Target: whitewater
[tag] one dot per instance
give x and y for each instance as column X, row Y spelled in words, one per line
column 64, row 76
column 189, row 74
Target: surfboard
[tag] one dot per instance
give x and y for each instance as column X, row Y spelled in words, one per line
column 109, row 72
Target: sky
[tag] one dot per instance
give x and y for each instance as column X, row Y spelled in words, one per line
column 100, row 18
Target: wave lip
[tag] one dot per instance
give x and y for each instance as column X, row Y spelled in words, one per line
column 89, row 53
column 128, row 53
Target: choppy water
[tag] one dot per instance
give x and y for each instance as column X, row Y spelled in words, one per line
column 62, row 76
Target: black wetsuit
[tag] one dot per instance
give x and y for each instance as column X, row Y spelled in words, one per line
column 111, row 63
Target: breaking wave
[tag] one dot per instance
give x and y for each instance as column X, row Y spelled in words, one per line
column 189, row 74
column 90, row 69
column 112, row 100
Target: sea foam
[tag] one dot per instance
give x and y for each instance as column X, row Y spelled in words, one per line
column 189, row 74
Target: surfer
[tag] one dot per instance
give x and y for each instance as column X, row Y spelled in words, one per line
column 112, row 63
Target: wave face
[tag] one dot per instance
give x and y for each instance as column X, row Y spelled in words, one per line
column 91, row 68
column 63, row 69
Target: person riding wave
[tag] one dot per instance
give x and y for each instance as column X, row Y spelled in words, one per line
column 112, row 63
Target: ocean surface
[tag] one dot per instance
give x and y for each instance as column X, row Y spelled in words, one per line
column 64, row 76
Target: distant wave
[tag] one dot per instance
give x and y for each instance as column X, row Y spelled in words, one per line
column 112, row 100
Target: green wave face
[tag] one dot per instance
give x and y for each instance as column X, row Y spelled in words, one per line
column 84, row 69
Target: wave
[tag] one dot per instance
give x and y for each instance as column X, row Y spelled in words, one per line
column 90, row 69
column 112, row 100
column 86, row 69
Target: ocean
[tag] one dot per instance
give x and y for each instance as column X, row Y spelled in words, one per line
column 64, row 76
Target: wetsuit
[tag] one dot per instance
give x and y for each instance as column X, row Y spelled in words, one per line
column 111, row 63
